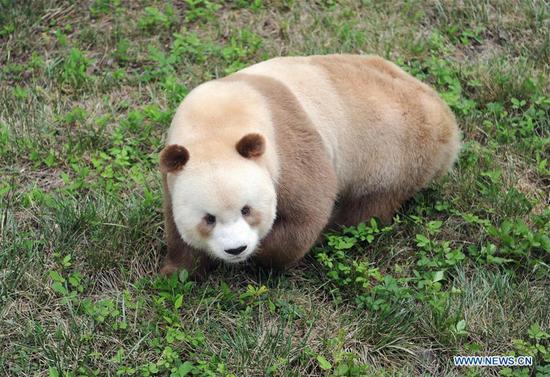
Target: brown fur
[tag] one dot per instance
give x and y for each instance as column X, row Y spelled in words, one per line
column 204, row 229
column 254, row 218
column 251, row 146
column 353, row 210
column 173, row 158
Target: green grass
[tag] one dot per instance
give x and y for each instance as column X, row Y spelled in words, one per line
column 87, row 90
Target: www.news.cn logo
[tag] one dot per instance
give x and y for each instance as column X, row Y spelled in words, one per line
column 493, row 361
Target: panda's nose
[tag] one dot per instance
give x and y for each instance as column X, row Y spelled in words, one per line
column 235, row 251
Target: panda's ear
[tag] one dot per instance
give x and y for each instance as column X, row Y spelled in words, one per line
column 173, row 158
column 251, row 146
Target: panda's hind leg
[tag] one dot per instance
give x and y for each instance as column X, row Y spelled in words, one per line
column 352, row 210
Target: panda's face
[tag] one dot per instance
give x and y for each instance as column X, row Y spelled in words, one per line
column 224, row 210
column 223, row 207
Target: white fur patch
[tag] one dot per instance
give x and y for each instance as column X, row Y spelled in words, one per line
column 232, row 236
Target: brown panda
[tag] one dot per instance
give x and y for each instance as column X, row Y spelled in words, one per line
column 259, row 163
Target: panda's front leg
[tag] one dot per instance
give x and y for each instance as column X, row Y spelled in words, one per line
column 306, row 194
column 293, row 234
column 182, row 256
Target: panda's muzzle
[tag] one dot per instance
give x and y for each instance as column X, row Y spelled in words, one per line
column 236, row 251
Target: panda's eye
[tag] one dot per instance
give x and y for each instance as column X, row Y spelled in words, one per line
column 210, row 219
column 245, row 211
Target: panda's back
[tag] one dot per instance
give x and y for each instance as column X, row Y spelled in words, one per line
column 377, row 123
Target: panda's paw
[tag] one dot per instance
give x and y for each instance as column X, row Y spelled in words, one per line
column 198, row 271
column 168, row 269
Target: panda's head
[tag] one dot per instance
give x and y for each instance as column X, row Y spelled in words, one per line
column 222, row 205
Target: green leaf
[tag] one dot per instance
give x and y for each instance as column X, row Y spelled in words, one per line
column 434, row 226
column 438, row 276
column 152, row 368
column 183, row 275
column 53, row 372
column 263, row 289
column 498, row 260
column 323, row 363
column 55, row 276
column 422, row 240
column 179, row 302
column 535, row 332
column 73, row 281
column 183, row 370
column 66, row 261
column 59, row 288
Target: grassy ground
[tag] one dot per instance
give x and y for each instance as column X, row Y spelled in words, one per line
column 87, row 89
